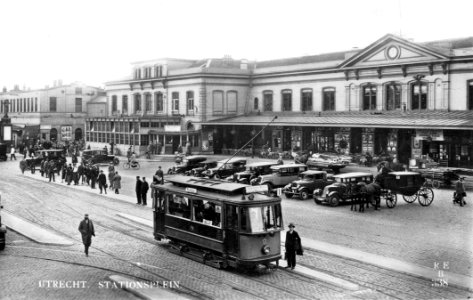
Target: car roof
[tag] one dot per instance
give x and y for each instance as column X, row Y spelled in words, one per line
column 195, row 157
column 50, row 150
column 400, row 173
column 233, row 160
column 261, row 164
column 311, row 172
column 288, row 166
column 353, row 174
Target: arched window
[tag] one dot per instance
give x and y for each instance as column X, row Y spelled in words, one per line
column 268, row 100
column 78, row 134
column 159, row 102
column 147, row 102
column 369, row 96
column 286, row 100
column 306, row 99
column 393, row 96
column 328, row 96
column 419, row 95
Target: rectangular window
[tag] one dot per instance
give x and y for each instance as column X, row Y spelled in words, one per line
column 175, row 102
column 255, row 103
column 268, row 101
column 217, row 102
column 419, row 96
column 190, row 102
column 328, row 99
column 470, row 95
column 35, row 104
column 393, row 96
column 306, row 96
column 287, row 100
column 137, row 103
column 158, row 98
column 369, row 97
column 147, row 102
column 232, row 102
column 78, row 105
column 179, row 206
column 52, row 104
column 114, row 104
column 207, row 212
column 144, row 140
column 125, row 104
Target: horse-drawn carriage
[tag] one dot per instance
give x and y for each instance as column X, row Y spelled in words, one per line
column 411, row 185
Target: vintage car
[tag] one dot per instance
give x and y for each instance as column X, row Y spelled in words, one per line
column 345, row 188
column 202, row 167
column 3, row 228
column 188, row 163
column 226, row 168
column 280, row 175
column 252, row 171
column 308, row 181
column 94, row 157
column 3, row 151
column 34, row 163
column 323, row 161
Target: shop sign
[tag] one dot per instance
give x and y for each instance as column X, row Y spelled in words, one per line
column 66, row 133
column 45, row 127
column 429, row 134
column 172, row 128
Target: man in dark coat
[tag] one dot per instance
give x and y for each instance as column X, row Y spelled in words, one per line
column 102, row 180
column 138, row 190
column 69, row 174
column 94, row 173
column 117, row 183
column 159, row 176
column 293, row 242
column 144, row 190
column 86, row 228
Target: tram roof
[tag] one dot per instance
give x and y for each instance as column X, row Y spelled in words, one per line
column 261, row 164
column 353, row 174
column 208, row 184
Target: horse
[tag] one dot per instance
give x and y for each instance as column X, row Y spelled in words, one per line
column 369, row 192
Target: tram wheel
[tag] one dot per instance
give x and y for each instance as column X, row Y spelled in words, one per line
column 425, row 196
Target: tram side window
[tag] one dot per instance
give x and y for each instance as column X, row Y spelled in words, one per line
column 158, row 197
column 232, row 216
column 179, row 206
column 207, row 212
column 271, row 216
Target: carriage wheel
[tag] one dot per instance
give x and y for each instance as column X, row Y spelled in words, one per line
column 409, row 199
column 425, row 196
column 391, row 200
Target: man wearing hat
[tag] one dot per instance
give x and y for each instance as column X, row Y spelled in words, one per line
column 460, row 191
column 293, row 243
column 86, row 228
column 138, row 190
column 102, row 180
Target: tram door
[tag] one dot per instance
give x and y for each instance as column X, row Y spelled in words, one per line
column 158, row 207
column 231, row 235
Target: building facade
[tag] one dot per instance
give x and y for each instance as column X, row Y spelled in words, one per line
column 57, row 114
column 394, row 97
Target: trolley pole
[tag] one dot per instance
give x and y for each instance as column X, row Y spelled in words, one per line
column 250, row 141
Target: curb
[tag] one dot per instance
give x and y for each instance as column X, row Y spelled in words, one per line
column 33, row 231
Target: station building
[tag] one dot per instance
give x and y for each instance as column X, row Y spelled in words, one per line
column 54, row 113
column 393, row 97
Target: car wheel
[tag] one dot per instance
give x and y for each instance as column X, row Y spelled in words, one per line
column 318, row 202
column 304, row 195
column 334, row 200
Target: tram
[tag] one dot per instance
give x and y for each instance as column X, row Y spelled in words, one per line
column 220, row 223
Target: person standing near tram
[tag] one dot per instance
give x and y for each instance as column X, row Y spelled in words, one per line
column 293, row 245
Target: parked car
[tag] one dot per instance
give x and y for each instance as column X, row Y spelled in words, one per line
column 280, row 175
column 202, row 167
column 252, row 171
column 188, row 163
column 308, row 182
column 226, row 168
column 345, row 188
column 34, row 163
column 323, row 161
column 94, row 157
column 3, row 228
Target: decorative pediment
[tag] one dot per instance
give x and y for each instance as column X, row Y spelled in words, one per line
column 392, row 50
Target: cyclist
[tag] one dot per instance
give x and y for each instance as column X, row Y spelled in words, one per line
column 133, row 161
column 460, row 191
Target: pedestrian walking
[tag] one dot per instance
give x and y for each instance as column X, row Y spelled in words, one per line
column 159, row 176
column 51, row 171
column 117, row 179
column 460, row 192
column 69, row 174
column 75, row 174
column 144, row 191
column 111, row 173
column 94, row 173
column 86, row 228
column 12, row 153
column 293, row 245
column 138, row 190
column 63, row 172
column 102, row 180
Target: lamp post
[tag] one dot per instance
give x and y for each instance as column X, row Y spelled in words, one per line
column 6, row 128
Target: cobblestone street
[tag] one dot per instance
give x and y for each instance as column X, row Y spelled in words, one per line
column 407, row 232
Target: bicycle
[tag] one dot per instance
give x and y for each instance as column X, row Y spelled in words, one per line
column 134, row 165
column 431, row 183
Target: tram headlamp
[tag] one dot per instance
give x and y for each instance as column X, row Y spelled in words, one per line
column 266, row 249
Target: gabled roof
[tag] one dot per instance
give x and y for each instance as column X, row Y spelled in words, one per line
column 407, row 50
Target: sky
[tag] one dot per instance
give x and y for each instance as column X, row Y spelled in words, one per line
column 95, row 41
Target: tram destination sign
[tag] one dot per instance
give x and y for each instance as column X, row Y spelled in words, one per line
column 256, row 189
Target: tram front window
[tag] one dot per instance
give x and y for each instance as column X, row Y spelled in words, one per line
column 262, row 218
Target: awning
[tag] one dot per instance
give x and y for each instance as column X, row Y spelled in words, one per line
column 461, row 120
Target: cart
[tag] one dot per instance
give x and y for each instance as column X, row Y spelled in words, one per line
column 411, row 185
column 438, row 177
